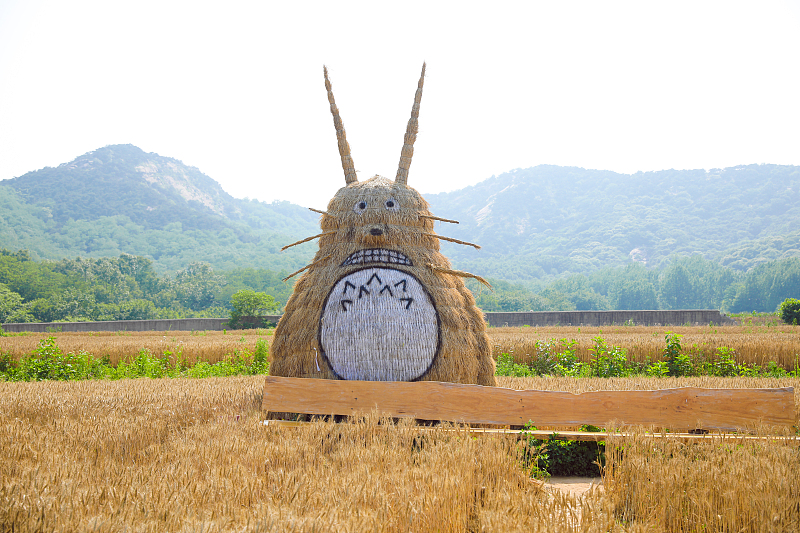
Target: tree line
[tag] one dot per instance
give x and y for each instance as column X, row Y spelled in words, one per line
column 122, row 288
column 683, row 283
column 128, row 288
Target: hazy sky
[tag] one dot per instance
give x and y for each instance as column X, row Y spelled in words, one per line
column 236, row 88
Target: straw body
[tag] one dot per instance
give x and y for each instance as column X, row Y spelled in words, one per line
column 371, row 308
column 380, row 302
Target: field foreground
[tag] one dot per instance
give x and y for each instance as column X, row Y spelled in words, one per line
column 192, row 455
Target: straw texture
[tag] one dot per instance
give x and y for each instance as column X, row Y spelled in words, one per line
column 440, row 219
column 450, row 239
column 380, row 302
column 462, row 274
column 293, row 274
column 411, row 135
column 372, row 308
column 302, row 241
column 344, row 148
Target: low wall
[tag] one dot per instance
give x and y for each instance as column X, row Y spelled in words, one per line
column 545, row 318
column 607, row 318
column 178, row 324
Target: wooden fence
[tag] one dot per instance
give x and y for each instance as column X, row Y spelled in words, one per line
column 683, row 409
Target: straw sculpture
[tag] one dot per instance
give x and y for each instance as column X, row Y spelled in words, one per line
column 380, row 302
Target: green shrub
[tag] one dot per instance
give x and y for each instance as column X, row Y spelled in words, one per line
column 572, row 458
column 725, row 364
column 568, row 363
column 658, row 369
column 249, row 308
column 789, row 311
column 607, row 361
column 506, row 366
column 557, row 457
column 680, row 364
column 260, row 358
column 774, row 371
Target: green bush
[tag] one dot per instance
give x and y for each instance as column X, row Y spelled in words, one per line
column 572, row 458
column 558, row 457
column 249, row 308
column 607, row 361
column 551, row 359
column 506, row 366
column 789, row 311
column 658, row 369
column 680, row 364
column 726, row 363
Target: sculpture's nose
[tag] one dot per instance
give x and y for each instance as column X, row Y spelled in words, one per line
column 376, row 231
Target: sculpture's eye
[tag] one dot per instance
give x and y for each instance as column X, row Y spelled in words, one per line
column 360, row 207
column 391, row 204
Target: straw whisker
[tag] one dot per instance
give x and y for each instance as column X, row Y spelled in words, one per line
column 315, row 263
column 450, row 239
column 440, row 219
column 307, row 239
column 460, row 273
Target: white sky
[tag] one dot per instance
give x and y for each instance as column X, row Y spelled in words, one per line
column 236, row 88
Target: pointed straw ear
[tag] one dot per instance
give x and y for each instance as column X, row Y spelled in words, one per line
column 344, row 147
column 411, row 135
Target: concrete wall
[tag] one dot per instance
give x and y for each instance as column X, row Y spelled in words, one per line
column 180, row 324
column 548, row 318
column 606, row 318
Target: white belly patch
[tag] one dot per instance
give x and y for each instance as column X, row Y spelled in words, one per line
column 379, row 324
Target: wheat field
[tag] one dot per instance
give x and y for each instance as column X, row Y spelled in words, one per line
column 208, row 346
column 753, row 344
column 193, row 455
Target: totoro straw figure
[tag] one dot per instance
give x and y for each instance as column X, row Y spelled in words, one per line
column 380, row 302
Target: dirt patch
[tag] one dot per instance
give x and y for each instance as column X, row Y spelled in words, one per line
column 575, row 486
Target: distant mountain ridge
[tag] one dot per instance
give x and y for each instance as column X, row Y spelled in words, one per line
column 121, row 199
column 549, row 220
column 532, row 223
column 122, row 179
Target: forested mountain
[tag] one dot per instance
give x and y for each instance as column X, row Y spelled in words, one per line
column 168, row 241
column 534, row 224
column 550, row 220
column 119, row 199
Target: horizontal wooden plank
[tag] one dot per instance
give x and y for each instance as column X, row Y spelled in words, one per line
column 590, row 436
column 677, row 409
